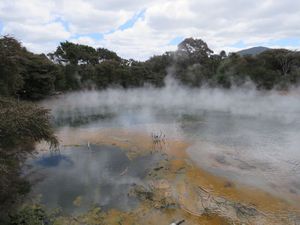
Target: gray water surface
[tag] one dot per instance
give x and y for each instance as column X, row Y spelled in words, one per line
column 262, row 152
column 97, row 176
column 247, row 136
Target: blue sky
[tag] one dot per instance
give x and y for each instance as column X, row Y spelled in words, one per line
column 239, row 44
column 176, row 40
column 141, row 28
column 100, row 36
column 127, row 25
column 130, row 23
column 286, row 42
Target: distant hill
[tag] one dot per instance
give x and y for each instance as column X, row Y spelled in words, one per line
column 252, row 51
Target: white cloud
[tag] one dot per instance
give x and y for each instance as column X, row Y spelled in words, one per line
column 26, row 12
column 140, row 41
column 85, row 18
column 37, row 32
column 39, row 48
column 220, row 23
column 84, row 40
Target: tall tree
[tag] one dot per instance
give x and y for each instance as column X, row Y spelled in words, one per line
column 23, row 73
column 11, row 80
column 70, row 53
column 195, row 49
column 39, row 75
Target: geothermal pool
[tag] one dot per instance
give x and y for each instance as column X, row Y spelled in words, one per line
column 247, row 137
column 255, row 151
column 80, row 177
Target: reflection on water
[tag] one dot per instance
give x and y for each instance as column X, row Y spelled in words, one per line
column 79, row 177
column 53, row 160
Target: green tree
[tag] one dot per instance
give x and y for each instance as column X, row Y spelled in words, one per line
column 70, row 53
column 195, row 49
column 11, row 81
column 78, row 54
column 21, row 125
column 105, row 54
column 194, row 63
column 39, row 75
column 23, row 73
column 157, row 68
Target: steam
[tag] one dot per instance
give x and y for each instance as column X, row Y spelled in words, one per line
column 252, row 135
column 175, row 98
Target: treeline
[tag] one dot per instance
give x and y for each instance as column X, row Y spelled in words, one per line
column 74, row 66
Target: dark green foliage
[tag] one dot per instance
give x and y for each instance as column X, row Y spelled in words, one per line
column 77, row 54
column 85, row 67
column 70, row 53
column 24, row 74
column 39, row 75
column 72, row 78
column 75, row 66
column 223, row 81
column 194, row 63
column 275, row 68
column 21, row 125
column 105, row 54
column 32, row 215
column 108, row 73
column 158, row 67
column 60, row 82
column 195, row 50
column 231, row 71
column 10, row 78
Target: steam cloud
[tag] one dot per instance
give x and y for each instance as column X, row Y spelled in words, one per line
column 257, row 130
column 173, row 97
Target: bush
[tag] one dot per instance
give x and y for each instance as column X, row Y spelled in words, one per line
column 21, row 125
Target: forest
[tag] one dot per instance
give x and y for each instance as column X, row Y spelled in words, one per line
column 72, row 67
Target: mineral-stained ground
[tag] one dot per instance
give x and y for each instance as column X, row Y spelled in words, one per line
column 176, row 190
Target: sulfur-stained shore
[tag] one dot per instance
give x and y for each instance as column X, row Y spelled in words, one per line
column 177, row 189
